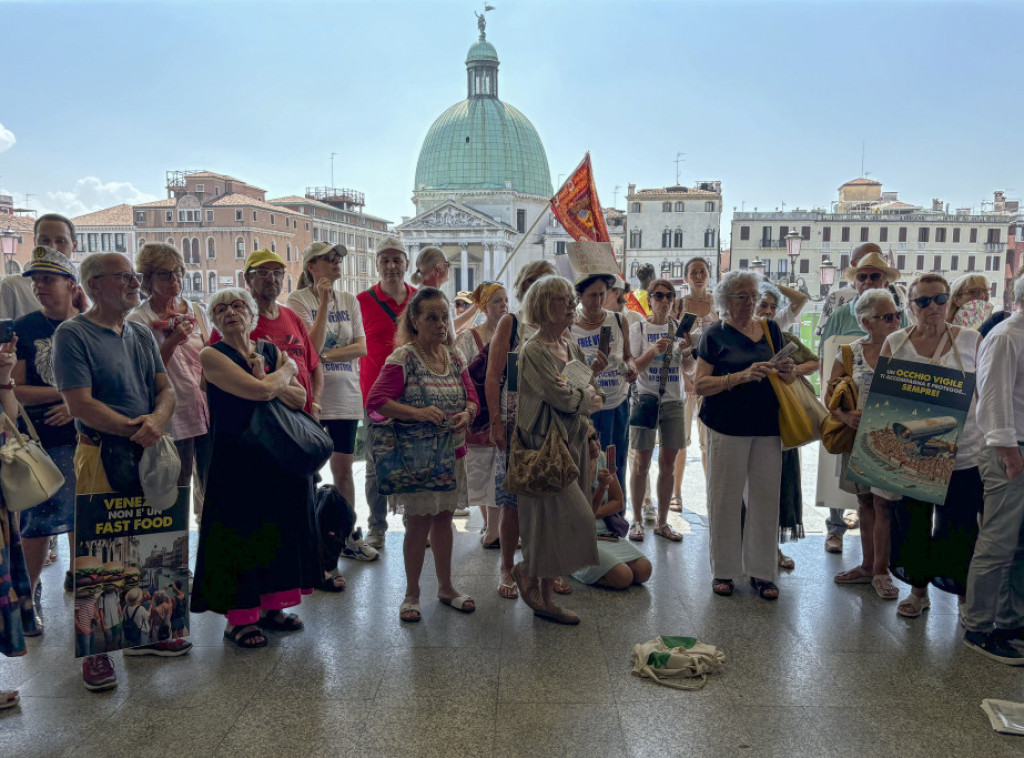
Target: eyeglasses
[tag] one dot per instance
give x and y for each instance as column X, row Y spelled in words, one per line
column 266, row 273
column 925, row 300
column 659, row 296
column 887, row 317
column 978, row 293
column 595, row 437
column 743, row 298
column 235, row 305
column 331, row 257
column 166, row 276
column 875, row 277
column 125, row 277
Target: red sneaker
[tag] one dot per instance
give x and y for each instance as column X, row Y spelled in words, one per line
column 98, row 672
column 167, row 649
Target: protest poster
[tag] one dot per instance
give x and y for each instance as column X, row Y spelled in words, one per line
column 589, row 258
column 907, row 439
column 130, row 572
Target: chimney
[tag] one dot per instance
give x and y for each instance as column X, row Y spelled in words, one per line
column 936, row 204
column 1000, row 201
column 631, row 189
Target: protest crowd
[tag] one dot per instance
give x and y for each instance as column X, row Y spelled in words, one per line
column 542, row 401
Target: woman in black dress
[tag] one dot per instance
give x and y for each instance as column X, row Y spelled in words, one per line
column 256, row 552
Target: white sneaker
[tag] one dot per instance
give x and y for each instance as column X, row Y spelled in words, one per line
column 460, row 512
column 375, row 539
column 650, row 513
column 357, row 549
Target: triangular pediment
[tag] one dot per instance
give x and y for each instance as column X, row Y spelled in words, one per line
column 452, row 215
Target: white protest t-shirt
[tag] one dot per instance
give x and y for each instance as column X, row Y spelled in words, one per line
column 612, row 380
column 341, row 398
column 643, row 335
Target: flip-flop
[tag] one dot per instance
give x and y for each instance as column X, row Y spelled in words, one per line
column 884, row 587
column 409, row 608
column 676, row 504
column 279, row 621
column 856, row 575
column 9, row 699
column 491, row 545
column 508, row 591
column 461, row 603
column 330, row 584
column 561, row 586
column 238, row 638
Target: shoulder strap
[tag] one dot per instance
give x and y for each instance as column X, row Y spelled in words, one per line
column 201, row 320
column 384, row 307
column 476, row 338
column 513, row 338
column 847, row 352
column 767, row 334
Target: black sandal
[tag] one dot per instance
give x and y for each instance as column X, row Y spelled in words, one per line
column 242, row 636
column 329, row 584
column 280, row 621
column 715, row 583
column 762, row 587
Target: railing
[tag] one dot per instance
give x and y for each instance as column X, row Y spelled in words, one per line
column 767, row 244
column 993, row 247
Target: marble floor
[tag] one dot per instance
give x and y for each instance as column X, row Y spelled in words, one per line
column 825, row 671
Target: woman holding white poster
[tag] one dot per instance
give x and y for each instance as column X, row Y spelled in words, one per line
column 935, row 544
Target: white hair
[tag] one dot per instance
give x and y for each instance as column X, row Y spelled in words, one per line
column 867, row 304
column 1018, row 290
column 229, row 296
column 729, row 283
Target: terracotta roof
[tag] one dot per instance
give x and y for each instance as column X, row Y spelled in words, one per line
column 119, row 215
column 295, row 199
column 167, row 202
column 897, row 204
column 16, row 223
column 861, row 181
column 213, row 175
column 677, row 192
column 237, row 198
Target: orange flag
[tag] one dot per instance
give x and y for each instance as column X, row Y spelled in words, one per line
column 577, row 208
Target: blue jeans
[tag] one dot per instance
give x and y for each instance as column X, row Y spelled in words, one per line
column 613, row 426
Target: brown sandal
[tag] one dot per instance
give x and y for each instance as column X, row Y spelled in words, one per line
column 668, row 533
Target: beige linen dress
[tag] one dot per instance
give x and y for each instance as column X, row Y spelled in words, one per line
column 557, row 529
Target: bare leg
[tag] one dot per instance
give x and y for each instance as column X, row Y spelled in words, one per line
column 413, row 549
column 36, row 549
column 441, row 544
column 666, row 458
column 341, row 470
column 508, row 529
column 680, row 469
column 866, row 509
column 492, row 523
column 881, row 515
column 638, row 481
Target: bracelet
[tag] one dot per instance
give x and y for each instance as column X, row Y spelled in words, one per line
column 318, row 406
column 9, row 386
column 727, row 382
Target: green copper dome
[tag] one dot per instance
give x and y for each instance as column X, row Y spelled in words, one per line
column 482, row 143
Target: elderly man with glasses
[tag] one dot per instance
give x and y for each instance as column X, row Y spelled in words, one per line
column 871, row 272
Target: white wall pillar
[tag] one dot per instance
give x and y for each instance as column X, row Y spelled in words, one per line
column 464, row 265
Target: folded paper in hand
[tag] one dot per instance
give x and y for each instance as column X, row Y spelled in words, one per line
column 577, row 374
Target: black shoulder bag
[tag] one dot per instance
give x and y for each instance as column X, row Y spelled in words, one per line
column 646, row 409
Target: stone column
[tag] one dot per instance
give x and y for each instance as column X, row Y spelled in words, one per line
column 488, row 262
column 464, row 265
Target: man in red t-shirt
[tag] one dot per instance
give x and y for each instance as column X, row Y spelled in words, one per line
column 381, row 306
column 281, row 326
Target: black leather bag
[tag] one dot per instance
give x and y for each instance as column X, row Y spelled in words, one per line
column 644, row 412
column 120, row 457
column 292, row 438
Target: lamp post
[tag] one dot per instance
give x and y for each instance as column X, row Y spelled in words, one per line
column 757, row 266
column 793, row 243
column 828, row 275
column 8, row 246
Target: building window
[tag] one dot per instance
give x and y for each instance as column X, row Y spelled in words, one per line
column 272, row 219
column 844, row 261
column 140, row 217
column 635, row 238
column 971, row 263
column 212, row 287
column 666, row 207
column 709, row 238
column 362, row 264
column 168, row 216
column 920, row 263
column 209, row 217
column 677, row 238
column 307, row 226
column 863, row 234
column 845, row 233
column 197, row 282
column 666, row 238
column 744, row 233
column 240, row 280
column 974, row 236
column 922, row 234
column 254, row 216
column 937, row 263
column 520, row 220
column 709, row 207
column 273, row 246
column 883, row 234
column 200, row 188
column 560, row 248
column 680, row 206
column 783, row 231
column 766, row 236
column 993, row 237
column 826, row 234
column 105, row 242
column 744, row 264
column 255, row 244
column 316, row 233
column 119, row 244
column 94, row 243
column 677, row 270
column 991, row 262
column 805, row 232
column 634, row 207
column 903, row 234
column 238, row 214
column 901, row 262
column 189, row 216
column 666, row 269
column 195, row 252
column 805, row 266
column 288, row 252
column 954, row 263
column 956, row 235
column 211, row 248
column 142, row 241
column 940, row 234
column 216, row 191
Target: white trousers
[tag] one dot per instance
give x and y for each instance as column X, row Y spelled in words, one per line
column 739, row 467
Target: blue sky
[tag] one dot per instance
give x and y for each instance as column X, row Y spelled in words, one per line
column 775, row 99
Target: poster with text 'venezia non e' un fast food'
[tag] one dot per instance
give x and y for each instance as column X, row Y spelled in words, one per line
column 907, row 439
column 130, row 572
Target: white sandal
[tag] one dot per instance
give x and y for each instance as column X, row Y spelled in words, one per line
column 913, row 606
column 9, row 699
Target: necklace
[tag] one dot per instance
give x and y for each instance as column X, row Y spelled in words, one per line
column 445, row 360
column 591, row 323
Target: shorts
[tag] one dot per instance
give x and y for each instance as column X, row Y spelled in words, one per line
column 343, row 433
column 670, row 424
column 480, row 470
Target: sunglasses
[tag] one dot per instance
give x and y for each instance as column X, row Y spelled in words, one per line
column 659, row 296
column 887, row 317
column 926, row 300
column 332, row 257
column 875, row 277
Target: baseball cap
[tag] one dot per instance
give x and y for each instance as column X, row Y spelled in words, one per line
column 159, row 469
column 261, row 257
column 391, row 243
column 47, row 260
column 316, row 249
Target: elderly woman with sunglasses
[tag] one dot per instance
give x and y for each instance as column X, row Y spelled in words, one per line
column 741, row 413
column 934, row 544
column 660, row 360
column 181, row 331
column 880, row 318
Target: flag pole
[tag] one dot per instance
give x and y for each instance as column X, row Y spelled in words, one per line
column 547, row 208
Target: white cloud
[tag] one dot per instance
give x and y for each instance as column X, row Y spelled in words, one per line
column 7, row 139
column 91, row 194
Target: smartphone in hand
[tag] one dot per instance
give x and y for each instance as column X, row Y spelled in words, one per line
column 689, row 319
column 609, row 458
column 604, row 342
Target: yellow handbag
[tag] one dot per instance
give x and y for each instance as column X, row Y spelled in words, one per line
column 836, row 436
column 795, row 426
